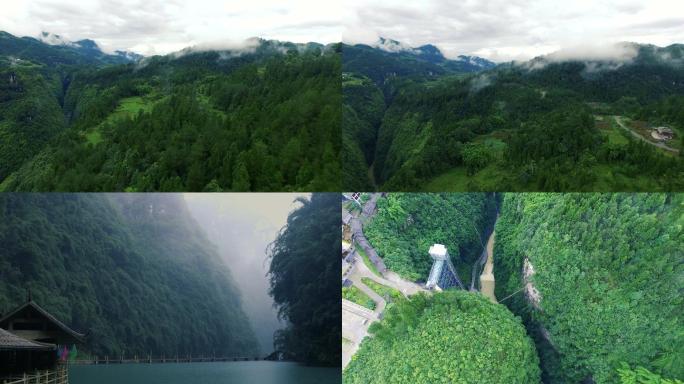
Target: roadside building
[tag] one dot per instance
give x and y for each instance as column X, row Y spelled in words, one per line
column 662, row 133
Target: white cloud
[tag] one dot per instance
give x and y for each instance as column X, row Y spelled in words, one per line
column 620, row 53
column 164, row 26
column 503, row 30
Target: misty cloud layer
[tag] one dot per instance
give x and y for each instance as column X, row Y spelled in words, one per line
column 242, row 225
column 159, row 27
column 504, row 30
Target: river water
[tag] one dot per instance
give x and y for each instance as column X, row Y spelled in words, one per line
column 487, row 282
column 261, row 372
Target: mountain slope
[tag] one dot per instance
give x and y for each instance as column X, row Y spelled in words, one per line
column 449, row 337
column 264, row 117
column 602, row 278
column 304, row 272
column 52, row 50
column 527, row 126
column 387, row 59
column 373, row 77
column 133, row 271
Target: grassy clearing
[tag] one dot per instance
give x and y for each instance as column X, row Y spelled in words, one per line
column 357, row 296
column 388, row 293
column 366, row 260
column 208, row 104
column 94, row 137
column 488, row 178
column 615, row 137
column 128, row 107
column 610, row 179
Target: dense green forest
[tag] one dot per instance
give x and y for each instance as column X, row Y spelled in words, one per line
column 265, row 117
column 609, row 275
column 450, row 337
column 596, row 280
column 407, row 224
column 304, row 284
column 133, row 271
column 543, row 125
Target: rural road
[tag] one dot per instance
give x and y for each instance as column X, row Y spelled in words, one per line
column 618, row 119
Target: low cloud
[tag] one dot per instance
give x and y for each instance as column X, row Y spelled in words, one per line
column 479, row 82
column 154, row 27
column 506, row 30
column 393, row 46
column 617, row 53
column 227, row 49
column 596, row 57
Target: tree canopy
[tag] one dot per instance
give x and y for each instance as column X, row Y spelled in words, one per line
column 304, row 281
column 449, row 337
column 132, row 271
column 608, row 272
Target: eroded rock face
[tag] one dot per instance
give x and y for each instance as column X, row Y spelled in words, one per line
column 532, row 294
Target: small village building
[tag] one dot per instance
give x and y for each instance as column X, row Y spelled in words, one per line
column 662, row 133
column 354, row 196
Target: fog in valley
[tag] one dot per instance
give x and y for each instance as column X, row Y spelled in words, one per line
column 242, row 226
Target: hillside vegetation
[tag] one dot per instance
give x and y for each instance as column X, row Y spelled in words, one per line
column 265, row 118
column 304, row 273
column 134, row 272
column 536, row 126
column 450, row 337
column 407, row 224
column 609, row 276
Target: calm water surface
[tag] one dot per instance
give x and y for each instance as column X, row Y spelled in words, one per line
column 261, row 372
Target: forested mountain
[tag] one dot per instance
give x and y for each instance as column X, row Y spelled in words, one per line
column 132, row 271
column 547, row 124
column 449, row 337
column 305, row 265
column 389, row 59
column 602, row 277
column 597, row 280
column 261, row 117
column 52, row 50
column 407, row 224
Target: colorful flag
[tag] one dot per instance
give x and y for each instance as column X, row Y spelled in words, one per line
column 74, row 352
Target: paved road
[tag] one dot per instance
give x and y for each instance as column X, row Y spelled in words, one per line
column 360, row 239
column 369, row 207
column 390, row 279
column 380, row 302
column 618, row 119
column 355, row 322
column 355, row 318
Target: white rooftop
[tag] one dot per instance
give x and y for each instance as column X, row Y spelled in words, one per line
column 438, row 251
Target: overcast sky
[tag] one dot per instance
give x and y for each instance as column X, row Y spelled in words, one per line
column 163, row 26
column 503, row 30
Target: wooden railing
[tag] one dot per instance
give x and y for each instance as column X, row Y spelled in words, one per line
column 53, row 376
column 163, row 359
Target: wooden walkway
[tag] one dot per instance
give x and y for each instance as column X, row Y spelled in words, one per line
column 53, row 376
column 161, row 360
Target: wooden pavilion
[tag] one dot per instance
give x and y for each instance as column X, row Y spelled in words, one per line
column 32, row 322
column 30, row 339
